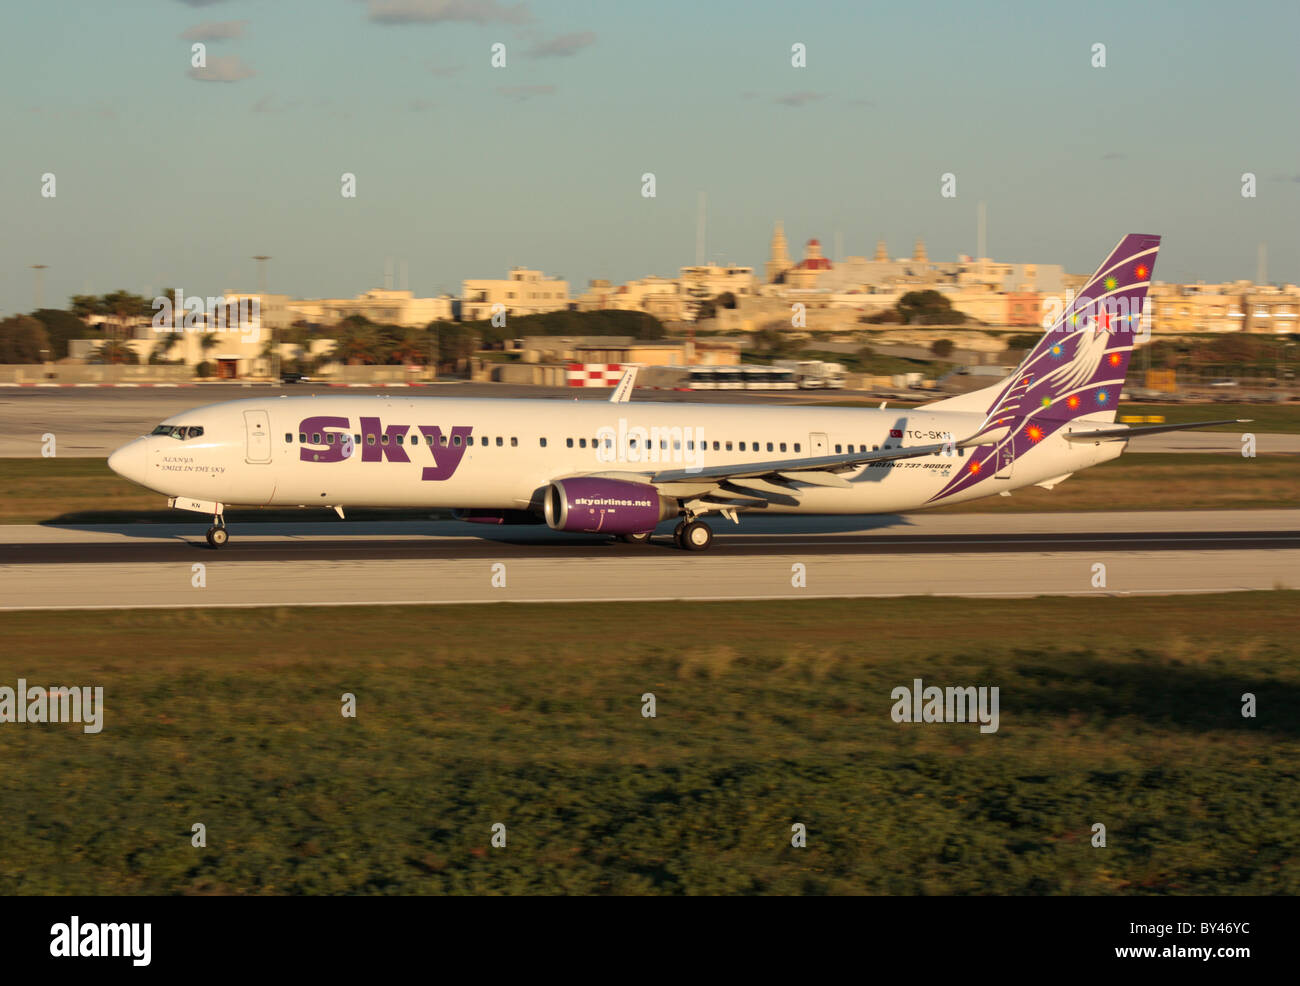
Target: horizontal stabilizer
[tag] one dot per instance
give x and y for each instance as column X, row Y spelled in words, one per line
column 1123, row 433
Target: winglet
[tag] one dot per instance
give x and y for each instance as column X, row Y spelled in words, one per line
column 623, row 392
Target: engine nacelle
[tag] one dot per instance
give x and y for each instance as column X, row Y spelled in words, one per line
column 605, row 506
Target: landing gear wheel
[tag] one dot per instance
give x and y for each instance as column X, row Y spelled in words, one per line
column 217, row 536
column 677, row 534
column 697, row 536
column 641, row 538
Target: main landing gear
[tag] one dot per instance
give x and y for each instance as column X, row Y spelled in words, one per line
column 693, row 535
column 217, row 534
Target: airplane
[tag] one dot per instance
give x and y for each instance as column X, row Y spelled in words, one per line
column 622, row 467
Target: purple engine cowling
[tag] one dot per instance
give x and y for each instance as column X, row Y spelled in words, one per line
column 605, row 506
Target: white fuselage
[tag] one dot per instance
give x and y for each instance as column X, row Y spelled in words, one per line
column 494, row 454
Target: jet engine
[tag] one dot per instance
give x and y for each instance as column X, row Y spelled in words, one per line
column 605, row 506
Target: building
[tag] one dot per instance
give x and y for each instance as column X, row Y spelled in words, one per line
column 381, row 306
column 779, row 260
column 804, row 276
column 524, row 292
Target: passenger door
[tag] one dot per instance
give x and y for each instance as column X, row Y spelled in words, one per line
column 257, row 424
column 817, row 443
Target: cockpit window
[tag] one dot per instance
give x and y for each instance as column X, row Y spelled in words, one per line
column 179, row 432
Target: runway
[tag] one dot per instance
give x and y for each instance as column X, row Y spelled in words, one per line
column 150, row 566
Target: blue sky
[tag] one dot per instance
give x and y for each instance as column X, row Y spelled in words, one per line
column 464, row 170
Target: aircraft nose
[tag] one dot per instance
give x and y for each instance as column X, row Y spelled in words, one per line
column 131, row 461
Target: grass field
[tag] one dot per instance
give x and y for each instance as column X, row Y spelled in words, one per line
column 1119, row 711
column 34, row 491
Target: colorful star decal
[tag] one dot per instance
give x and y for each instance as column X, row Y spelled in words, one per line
column 1141, row 272
column 1047, row 402
column 975, row 468
column 1057, row 351
column 1115, row 359
column 1035, row 433
column 1111, row 283
column 1072, row 401
column 1102, row 397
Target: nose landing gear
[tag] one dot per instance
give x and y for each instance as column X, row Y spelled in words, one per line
column 217, row 534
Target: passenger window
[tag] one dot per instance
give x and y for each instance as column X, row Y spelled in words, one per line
column 315, row 437
column 329, row 437
column 568, row 443
column 769, row 446
column 498, row 441
column 783, row 446
column 542, row 441
column 288, row 437
column 876, row 448
column 383, row 439
column 302, row 437
column 443, row 442
column 717, row 446
column 582, row 443
column 357, row 440
column 796, row 446
column 370, row 439
column 728, row 446
column 837, row 449
column 514, row 442
column 742, row 446
column 455, row 440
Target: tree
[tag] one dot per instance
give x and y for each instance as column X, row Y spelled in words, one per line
column 725, row 300
column 357, row 341
column 22, row 338
column 61, row 327
column 404, row 346
column 927, row 308
column 115, row 351
column 942, row 348
column 85, row 305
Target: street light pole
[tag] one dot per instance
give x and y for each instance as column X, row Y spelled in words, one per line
column 39, row 287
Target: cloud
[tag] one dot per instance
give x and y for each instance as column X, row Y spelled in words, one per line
column 215, row 31
column 563, row 46
column 442, row 71
column 798, row 98
column 521, row 93
column 442, row 11
column 421, row 105
column 223, row 68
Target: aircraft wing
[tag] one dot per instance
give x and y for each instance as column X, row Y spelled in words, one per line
column 782, row 481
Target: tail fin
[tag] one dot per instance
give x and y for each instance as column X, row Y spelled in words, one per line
column 1078, row 366
column 1076, row 370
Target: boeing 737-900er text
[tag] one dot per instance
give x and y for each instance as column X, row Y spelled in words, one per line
column 621, row 468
